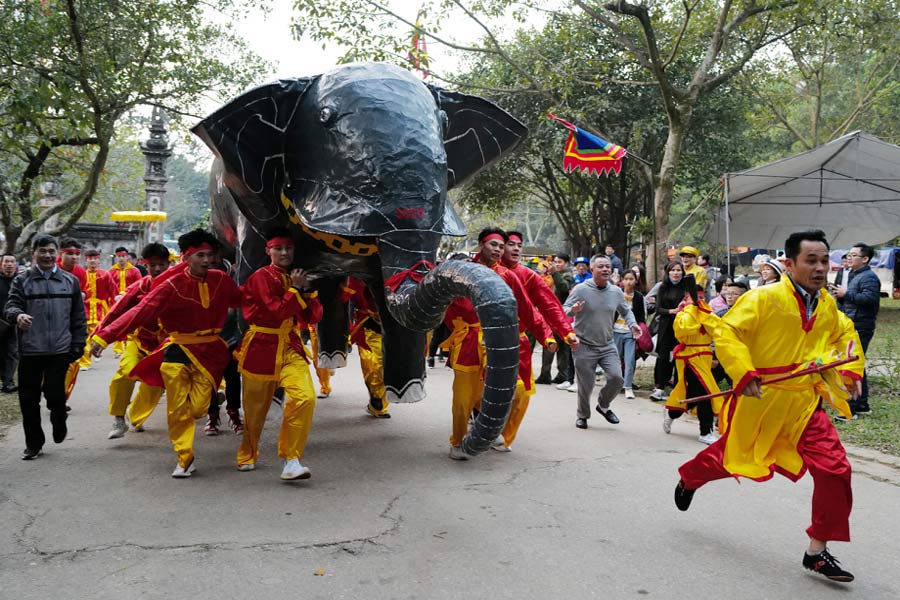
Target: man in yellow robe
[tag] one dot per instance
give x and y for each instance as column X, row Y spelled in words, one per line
column 773, row 331
column 689, row 256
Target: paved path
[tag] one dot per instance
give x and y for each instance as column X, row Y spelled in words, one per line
column 567, row 514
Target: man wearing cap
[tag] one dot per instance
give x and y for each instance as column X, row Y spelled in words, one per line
column 122, row 274
column 466, row 347
column 191, row 302
column 272, row 355
column 689, row 256
column 550, row 309
column 141, row 342
column 98, row 295
column 582, row 270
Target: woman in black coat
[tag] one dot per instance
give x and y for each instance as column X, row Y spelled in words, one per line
column 668, row 297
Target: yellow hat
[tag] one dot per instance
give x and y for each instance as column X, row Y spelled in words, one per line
column 689, row 250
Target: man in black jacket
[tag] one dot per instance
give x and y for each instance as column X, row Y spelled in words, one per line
column 859, row 299
column 46, row 305
column 9, row 345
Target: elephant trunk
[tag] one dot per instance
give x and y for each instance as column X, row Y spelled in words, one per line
column 421, row 306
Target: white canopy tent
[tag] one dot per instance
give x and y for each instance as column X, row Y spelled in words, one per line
column 849, row 188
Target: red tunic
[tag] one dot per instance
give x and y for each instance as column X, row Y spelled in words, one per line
column 147, row 338
column 273, row 309
column 192, row 311
column 123, row 277
column 544, row 300
column 78, row 271
column 98, row 295
column 364, row 309
column 465, row 329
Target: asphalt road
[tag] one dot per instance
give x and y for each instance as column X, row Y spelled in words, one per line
column 567, row 514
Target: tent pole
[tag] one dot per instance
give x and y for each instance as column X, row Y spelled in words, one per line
column 727, row 230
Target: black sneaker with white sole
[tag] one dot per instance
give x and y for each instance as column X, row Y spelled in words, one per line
column 683, row 496
column 825, row 564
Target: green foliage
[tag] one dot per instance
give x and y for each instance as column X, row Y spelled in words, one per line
column 70, row 71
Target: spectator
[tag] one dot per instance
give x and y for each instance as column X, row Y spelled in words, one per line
column 859, row 299
column 625, row 341
column 594, row 305
column 45, row 303
column 562, row 285
column 704, row 262
column 668, row 298
column 614, row 261
column 731, row 292
column 641, row 274
column 689, row 256
column 9, row 351
column 718, row 302
column 769, row 271
column 843, row 276
column 581, row 270
column 137, row 264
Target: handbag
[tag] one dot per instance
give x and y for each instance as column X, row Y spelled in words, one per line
column 645, row 342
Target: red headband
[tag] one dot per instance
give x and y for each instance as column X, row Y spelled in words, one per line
column 280, row 241
column 122, row 253
column 71, row 250
column 492, row 236
column 513, row 236
column 194, row 249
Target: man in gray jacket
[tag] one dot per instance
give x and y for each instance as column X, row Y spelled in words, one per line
column 595, row 304
column 46, row 305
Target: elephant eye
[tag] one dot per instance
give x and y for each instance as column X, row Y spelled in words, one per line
column 326, row 114
column 445, row 122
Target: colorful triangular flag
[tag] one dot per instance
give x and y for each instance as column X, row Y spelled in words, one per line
column 589, row 153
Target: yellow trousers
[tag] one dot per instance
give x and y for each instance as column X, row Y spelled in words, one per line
column 71, row 377
column 299, row 406
column 119, row 347
column 373, row 372
column 517, row 412
column 188, row 393
column 122, row 386
column 324, row 375
column 467, row 388
column 85, row 362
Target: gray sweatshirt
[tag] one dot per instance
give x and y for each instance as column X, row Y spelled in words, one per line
column 594, row 324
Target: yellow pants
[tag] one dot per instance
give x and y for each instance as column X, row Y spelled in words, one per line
column 467, row 388
column 122, row 386
column 85, row 362
column 517, row 412
column 324, row 375
column 188, row 391
column 119, row 347
column 71, row 377
column 299, row 406
column 373, row 372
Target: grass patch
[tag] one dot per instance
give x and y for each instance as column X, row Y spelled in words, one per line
column 9, row 411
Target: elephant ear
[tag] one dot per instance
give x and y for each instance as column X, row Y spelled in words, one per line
column 249, row 135
column 478, row 133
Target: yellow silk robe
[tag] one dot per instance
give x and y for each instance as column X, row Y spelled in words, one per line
column 767, row 334
column 693, row 327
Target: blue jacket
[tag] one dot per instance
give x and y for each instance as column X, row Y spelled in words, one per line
column 862, row 299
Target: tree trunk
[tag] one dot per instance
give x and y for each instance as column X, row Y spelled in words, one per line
column 665, row 188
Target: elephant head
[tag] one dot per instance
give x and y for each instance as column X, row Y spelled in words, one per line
column 359, row 161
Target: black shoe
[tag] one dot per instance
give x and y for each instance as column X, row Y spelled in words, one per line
column 863, row 409
column 59, row 433
column 430, row 362
column 683, row 496
column 843, row 419
column 827, row 565
column 581, row 423
column 29, row 454
column 68, row 408
column 9, row 389
column 559, row 379
column 545, row 380
column 609, row 415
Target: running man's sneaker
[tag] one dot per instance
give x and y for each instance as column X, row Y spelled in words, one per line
column 827, row 565
column 183, row 472
column 30, row 454
column 119, row 428
column 683, row 496
column 707, row 439
column 667, row 421
column 294, row 470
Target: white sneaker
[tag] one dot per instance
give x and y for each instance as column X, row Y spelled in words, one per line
column 500, row 445
column 658, row 395
column 629, row 394
column 182, row 472
column 707, row 439
column 456, row 453
column 294, row 470
column 138, row 428
column 573, row 388
column 564, row 385
column 667, row 421
column 323, row 394
column 119, row 428
column 246, row 467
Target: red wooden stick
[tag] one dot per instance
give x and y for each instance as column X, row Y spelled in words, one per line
column 807, row 371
